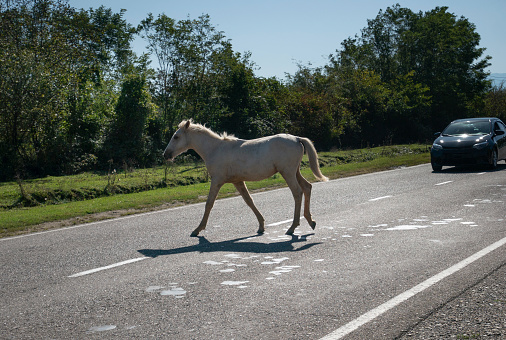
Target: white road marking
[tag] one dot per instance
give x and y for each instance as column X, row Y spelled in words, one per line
column 443, row 183
column 91, row 271
column 278, row 223
column 233, row 283
column 374, row 313
column 379, row 198
column 114, row 265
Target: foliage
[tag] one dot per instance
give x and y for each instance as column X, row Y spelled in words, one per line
column 435, row 53
column 37, row 59
column 126, row 139
column 54, row 102
column 185, row 51
column 495, row 102
column 74, row 96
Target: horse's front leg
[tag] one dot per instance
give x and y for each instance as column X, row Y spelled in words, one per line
column 243, row 190
column 213, row 193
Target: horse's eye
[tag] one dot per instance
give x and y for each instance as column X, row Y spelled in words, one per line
column 176, row 137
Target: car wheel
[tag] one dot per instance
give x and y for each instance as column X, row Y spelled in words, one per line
column 493, row 159
column 436, row 167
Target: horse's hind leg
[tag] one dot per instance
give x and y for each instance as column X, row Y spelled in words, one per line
column 294, row 186
column 306, row 189
column 241, row 187
column 213, row 193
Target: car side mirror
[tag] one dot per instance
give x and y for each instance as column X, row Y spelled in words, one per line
column 499, row 132
column 437, row 134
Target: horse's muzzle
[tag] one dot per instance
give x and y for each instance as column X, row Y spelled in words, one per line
column 167, row 156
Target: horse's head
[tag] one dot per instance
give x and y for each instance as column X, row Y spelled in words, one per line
column 178, row 143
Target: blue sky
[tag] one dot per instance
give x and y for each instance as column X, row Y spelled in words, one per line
column 282, row 33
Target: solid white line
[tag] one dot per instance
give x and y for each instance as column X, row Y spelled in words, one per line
column 443, row 183
column 379, row 198
column 91, row 271
column 374, row 313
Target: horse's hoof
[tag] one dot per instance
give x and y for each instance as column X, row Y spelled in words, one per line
column 289, row 232
column 194, row 234
column 260, row 231
column 313, row 225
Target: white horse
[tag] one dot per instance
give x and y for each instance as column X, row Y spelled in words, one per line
column 232, row 160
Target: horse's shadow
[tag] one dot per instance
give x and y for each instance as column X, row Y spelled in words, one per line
column 235, row 245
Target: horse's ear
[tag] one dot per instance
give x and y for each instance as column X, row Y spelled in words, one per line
column 187, row 124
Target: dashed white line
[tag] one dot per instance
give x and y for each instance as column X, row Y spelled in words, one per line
column 278, row 223
column 374, row 313
column 114, row 265
column 443, row 183
column 379, row 198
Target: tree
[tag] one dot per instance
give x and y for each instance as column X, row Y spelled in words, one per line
column 407, row 117
column 161, row 35
column 382, row 40
column 495, row 102
column 446, row 58
column 109, row 39
column 125, row 139
column 434, row 51
column 185, row 51
column 310, row 106
column 38, row 58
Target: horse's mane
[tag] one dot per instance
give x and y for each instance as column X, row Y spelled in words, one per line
column 203, row 129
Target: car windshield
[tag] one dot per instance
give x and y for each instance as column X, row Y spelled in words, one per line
column 467, row 128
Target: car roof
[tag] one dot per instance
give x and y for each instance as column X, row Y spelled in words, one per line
column 489, row 119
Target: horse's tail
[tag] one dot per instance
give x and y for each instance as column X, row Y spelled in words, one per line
column 313, row 159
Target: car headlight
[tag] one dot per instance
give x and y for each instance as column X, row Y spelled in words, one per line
column 437, row 147
column 479, row 146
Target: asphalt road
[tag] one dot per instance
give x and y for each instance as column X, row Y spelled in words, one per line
column 390, row 251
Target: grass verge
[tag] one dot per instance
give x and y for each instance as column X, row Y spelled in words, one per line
column 14, row 221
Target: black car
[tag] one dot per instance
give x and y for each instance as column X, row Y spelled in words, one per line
column 469, row 141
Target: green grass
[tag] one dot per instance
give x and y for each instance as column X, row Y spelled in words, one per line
column 57, row 190
column 89, row 197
